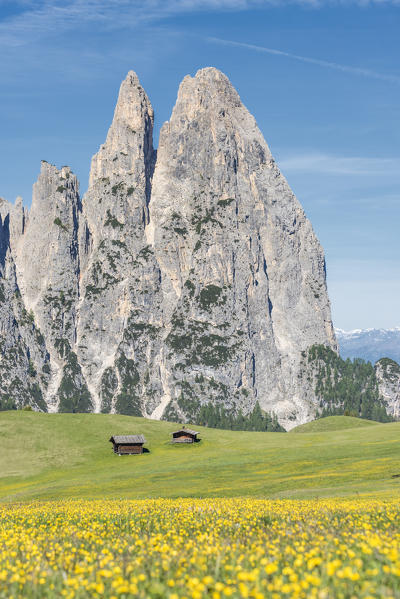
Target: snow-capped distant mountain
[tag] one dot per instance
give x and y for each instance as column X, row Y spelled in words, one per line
column 369, row 344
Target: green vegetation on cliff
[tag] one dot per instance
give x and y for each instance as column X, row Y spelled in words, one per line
column 220, row 417
column 73, row 392
column 348, row 387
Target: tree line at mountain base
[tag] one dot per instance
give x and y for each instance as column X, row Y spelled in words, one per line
column 346, row 387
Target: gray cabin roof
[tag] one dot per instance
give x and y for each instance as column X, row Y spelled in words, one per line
column 122, row 439
column 186, row 430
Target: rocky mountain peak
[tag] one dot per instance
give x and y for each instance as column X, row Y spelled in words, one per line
column 208, row 83
column 51, row 180
column 208, row 105
column 132, row 102
column 48, row 244
column 129, row 137
column 14, row 217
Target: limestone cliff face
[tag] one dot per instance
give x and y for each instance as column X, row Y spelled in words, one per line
column 388, row 375
column 48, row 270
column 243, row 275
column 14, row 218
column 24, row 360
column 119, row 308
column 185, row 279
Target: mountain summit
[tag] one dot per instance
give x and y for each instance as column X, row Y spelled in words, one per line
column 183, row 278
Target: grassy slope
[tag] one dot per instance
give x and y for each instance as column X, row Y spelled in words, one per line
column 333, row 423
column 51, row 456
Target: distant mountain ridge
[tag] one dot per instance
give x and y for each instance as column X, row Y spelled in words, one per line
column 369, row 344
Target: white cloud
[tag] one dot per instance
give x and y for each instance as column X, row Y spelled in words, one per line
column 316, row 61
column 340, row 165
column 55, row 16
column 38, row 17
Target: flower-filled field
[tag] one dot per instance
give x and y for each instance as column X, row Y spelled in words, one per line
column 200, row 548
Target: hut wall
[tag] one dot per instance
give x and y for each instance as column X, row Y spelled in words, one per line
column 127, row 449
column 183, row 439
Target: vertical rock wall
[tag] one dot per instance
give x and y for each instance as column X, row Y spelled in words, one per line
column 243, row 275
column 24, row 360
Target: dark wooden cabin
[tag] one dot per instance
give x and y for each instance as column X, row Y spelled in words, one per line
column 128, row 444
column 185, row 435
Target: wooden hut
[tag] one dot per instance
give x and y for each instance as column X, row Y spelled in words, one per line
column 185, row 435
column 128, row 444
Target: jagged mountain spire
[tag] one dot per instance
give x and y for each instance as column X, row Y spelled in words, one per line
column 129, row 137
column 48, row 268
column 237, row 255
column 119, row 285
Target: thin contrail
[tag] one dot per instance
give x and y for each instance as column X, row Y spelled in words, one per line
column 321, row 63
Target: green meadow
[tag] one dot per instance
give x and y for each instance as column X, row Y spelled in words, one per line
column 55, row 456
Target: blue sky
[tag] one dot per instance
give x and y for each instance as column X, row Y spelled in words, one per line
column 322, row 79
